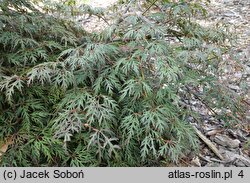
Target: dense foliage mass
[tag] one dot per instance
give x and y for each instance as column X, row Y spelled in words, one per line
column 115, row 98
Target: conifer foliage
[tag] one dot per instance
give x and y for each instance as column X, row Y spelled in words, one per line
column 115, row 98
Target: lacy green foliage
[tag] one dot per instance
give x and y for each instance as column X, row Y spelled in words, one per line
column 118, row 98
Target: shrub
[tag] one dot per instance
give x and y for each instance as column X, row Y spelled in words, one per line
column 115, row 98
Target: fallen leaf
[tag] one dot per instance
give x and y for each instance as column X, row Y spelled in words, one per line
column 4, row 146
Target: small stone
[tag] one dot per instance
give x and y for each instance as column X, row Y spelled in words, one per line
column 234, row 87
column 226, row 141
column 239, row 163
column 239, row 160
column 213, row 164
column 234, row 143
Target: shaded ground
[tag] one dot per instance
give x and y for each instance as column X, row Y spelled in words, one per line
column 95, row 24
